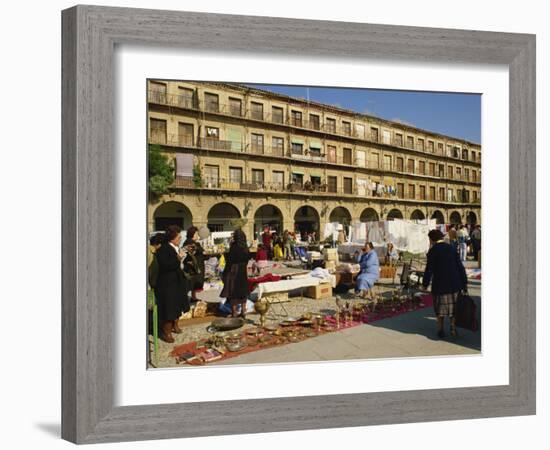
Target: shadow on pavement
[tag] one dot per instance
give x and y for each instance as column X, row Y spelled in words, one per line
column 423, row 322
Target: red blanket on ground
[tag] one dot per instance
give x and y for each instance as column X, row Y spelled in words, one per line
column 191, row 347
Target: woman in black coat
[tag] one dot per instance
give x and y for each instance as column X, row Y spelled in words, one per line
column 193, row 265
column 448, row 276
column 171, row 288
column 235, row 276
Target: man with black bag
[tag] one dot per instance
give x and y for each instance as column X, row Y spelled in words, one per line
column 448, row 277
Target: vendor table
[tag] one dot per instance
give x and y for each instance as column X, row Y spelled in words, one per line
column 285, row 271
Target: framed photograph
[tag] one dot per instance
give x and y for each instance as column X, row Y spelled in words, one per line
column 247, row 201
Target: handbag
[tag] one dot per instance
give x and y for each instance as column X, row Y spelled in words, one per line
column 466, row 313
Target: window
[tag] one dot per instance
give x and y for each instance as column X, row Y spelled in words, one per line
column 474, row 176
column 235, row 106
column 410, row 165
column 422, row 167
column 450, row 196
column 298, row 178
column 360, row 130
column 401, row 190
column 346, row 128
column 211, row 102
column 440, row 148
column 449, row 150
column 212, row 133
column 315, row 180
column 399, row 139
column 473, row 155
column 374, row 134
column 422, row 192
column 185, row 134
column 475, row 199
column 432, row 193
column 410, row 142
column 158, row 131
column 235, row 175
column 258, row 176
column 314, row 150
column 186, row 98
column 257, row 143
column 442, row 194
column 421, row 144
column 331, row 125
column 456, row 152
column 465, row 154
column 347, row 156
column 276, row 114
column 387, row 162
column 332, row 184
column 277, row 145
column 211, row 175
column 459, row 173
column 450, row 172
column 399, row 163
column 331, row 153
column 296, row 118
column 374, row 161
column 314, row 122
column 157, row 92
column 297, row 149
column 386, row 137
column 348, row 185
column 441, row 171
column 431, row 169
column 257, row 111
column 431, row 146
column 412, row 191
column 360, row 158
column 466, row 196
column 278, row 178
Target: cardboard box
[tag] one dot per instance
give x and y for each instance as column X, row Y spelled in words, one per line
column 331, row 254
column 276, row 297
column 330, row 266
column 322, row 290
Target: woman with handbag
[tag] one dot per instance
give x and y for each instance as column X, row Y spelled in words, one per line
column 448, row 277
column 235, row 276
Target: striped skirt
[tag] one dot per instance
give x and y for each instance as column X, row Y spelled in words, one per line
column 444, row 304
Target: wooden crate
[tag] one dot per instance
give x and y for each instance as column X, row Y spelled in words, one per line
column 320, row 291
column 387, row 271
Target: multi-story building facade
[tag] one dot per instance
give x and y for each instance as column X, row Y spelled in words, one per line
column 297, row 164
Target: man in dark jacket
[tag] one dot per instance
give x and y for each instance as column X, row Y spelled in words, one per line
column 448, row 276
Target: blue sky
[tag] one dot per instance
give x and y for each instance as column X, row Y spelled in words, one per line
column 457, row 115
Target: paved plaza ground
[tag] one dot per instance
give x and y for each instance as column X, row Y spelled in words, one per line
column 411, row 334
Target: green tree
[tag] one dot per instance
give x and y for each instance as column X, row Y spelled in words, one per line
column 161, row 171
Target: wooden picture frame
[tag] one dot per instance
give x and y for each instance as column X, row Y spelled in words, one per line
column 90, row 34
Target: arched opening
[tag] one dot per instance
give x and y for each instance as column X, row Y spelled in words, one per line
column 369, row 215
column 340, row 215
column 417, row 215
column 394, row 214
column 471, row 218
column 220, row 217
column 172, row 213
column 438, row 216
column 306, row 220
column 455, row 218
column 268, row 215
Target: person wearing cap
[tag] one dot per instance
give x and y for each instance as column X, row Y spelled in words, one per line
column 445, row 271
